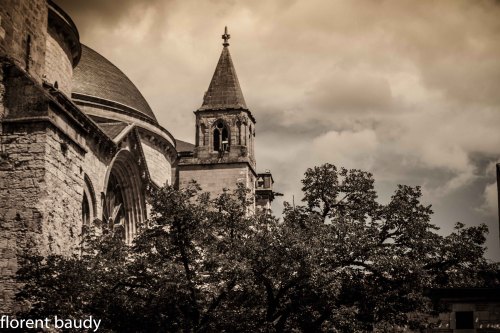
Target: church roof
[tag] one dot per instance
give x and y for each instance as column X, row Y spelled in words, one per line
column 96, row 77
column 183, row 146
column 113, row 129
column 224, row 91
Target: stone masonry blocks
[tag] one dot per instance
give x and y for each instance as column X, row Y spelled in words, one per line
column 41, row 189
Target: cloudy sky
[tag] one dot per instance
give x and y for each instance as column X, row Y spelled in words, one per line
column 408, row 90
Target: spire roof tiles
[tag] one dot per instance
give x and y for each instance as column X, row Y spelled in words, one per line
column 224, row 91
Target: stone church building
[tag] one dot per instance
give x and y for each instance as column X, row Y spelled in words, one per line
column 78, row 141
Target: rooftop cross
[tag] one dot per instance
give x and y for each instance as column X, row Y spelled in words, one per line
column 226, row 36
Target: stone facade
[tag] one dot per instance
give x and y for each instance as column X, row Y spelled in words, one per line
column 214, row 178
column 24, row 31
column 79, row 144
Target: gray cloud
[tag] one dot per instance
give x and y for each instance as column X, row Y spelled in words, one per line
column 341, row 92
column 106, row 13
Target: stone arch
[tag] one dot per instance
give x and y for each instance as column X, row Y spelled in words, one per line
column 124, row 198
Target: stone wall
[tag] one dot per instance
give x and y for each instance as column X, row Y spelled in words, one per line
column 214, row 178
column 158, row 163
column 22, row 171
column 40, row 197
column 58, row 65
column 23, row 30
column 2, row 94
column 61, row 200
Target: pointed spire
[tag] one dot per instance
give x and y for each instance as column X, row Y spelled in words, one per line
column 224, row 91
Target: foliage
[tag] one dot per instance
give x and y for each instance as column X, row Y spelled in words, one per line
column 342, row 262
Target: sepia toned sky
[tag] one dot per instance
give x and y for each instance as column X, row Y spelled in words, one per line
column 408, row 90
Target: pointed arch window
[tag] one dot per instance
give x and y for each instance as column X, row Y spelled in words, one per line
column 123, row 201
column 221, row 137
column 216, row 139
column 85, row 211
column 88, row 202
column 114, row 201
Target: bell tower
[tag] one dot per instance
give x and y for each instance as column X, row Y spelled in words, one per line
column 225, row 130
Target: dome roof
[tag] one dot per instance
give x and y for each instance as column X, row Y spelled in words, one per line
column 97, row 80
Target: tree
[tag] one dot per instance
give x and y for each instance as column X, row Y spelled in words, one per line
column 177, row 276
column 341, row 262
column 381, row 257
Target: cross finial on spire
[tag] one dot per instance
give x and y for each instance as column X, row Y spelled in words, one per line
column 226, row 37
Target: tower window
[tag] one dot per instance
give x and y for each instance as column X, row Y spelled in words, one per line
column 216, row 139
column 225, row 139
column 221, row 137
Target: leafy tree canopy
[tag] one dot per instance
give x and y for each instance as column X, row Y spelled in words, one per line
column 340, row 262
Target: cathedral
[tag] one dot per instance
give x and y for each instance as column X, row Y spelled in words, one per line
column 79, row 143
